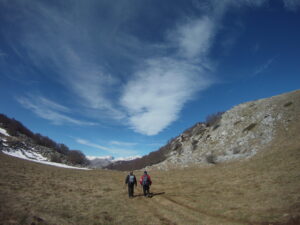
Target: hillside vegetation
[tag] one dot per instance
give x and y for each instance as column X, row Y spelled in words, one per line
column 262, row 190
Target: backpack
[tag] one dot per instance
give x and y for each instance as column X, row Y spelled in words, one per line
column 131, row 179
column 145, row 180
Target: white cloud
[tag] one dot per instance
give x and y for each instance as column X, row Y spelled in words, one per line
column 291, row 5
column 194, row 37
column 156, row 95
column 50, row 110
column 158, row 91
column 115, row 151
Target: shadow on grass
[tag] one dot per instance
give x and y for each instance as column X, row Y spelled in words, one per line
column 151, row 195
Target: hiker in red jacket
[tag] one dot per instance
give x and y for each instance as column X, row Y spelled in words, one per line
column 146, row 182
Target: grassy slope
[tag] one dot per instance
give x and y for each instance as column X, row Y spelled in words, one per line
column 263, row 189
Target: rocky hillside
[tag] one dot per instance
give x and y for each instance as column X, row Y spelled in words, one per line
column 239, row 133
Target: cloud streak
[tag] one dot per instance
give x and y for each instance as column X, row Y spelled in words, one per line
column 265, row 66
column 66, row 47
column 292, row 5
column 50, row 110
column 115, row 151
column 122, row 143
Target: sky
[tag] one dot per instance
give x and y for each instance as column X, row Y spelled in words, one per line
column 121, row 78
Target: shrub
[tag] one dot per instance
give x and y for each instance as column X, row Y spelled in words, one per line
column 250, row 127
column 55, row 158
column 288, row 104
column 211, row 159
column 213, row 119
column 236, row 151
column 76, row 157
column 237, row 122
column 194, row 144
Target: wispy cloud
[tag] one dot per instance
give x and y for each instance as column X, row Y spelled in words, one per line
column 122, row 143
column 193, row 37
column 265, row 66
column 50, row 110
column 91, row 83
column 2, row 54
column 115, row 151
column 56, row 43
column 292, row 5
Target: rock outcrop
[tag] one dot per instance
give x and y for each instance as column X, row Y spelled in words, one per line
column 238, row 133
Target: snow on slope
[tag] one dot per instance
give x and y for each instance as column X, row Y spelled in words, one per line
column 4, row 132
column 126, row 158
column 36, row 157
column 103, row 161
column 112, row 159
column 100, row 157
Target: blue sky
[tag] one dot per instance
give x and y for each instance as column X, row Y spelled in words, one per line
column 121, row 78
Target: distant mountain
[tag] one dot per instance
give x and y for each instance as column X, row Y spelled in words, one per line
column 239, row 133
column 100, row 162
column 19, row 141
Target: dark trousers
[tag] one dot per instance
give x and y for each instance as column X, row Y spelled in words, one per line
column 130, row 190
column 146, row 190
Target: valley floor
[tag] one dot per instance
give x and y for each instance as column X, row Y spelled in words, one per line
column 262, row 190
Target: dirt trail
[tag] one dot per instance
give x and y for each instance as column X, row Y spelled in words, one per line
column 165, row 209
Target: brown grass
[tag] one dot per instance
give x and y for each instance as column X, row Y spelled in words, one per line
column 262, row 190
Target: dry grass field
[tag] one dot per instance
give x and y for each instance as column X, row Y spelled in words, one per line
column 262, row 190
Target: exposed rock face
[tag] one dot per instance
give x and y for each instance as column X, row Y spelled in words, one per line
column 239, row 133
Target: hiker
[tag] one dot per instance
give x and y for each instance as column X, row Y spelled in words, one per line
column 130, row 181
column 146, row 182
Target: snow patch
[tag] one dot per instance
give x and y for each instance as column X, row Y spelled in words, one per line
column 126, row 158
column 36, row 157
column 4, row 132
column 112, row 159
column 100, row 157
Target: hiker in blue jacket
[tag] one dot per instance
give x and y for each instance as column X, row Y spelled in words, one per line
column 130, row 181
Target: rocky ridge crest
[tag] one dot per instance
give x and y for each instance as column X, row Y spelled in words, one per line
column 239, row 133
